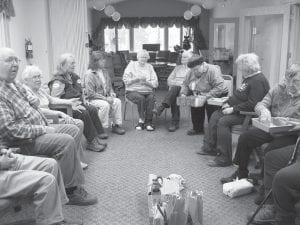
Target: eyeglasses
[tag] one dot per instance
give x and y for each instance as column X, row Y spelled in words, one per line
column 12, row 59
column 37, row 77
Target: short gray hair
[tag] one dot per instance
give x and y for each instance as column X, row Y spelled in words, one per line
column 292, row 71
column 143, row 52
column 62, row 61
column 29, row 70
column 249, row 60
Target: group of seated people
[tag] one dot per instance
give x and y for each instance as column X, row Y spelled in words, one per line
column 23, row 119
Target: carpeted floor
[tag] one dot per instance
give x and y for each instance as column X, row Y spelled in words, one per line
column 118, row 176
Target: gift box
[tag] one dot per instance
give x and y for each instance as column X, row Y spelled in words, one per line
column 237, row 188
column 217, row 101
column 194, row 101
column 277, row 125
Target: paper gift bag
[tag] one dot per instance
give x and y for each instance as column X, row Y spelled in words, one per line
column 195, row 207
column 179, row 213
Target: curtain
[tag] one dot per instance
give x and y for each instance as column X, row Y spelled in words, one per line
column 68, row 31
column 4, row 32
column 7, row 7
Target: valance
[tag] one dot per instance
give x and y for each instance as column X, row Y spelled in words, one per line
column 135, row 22
column 7, row 7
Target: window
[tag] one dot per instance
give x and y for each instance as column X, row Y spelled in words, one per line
column 109, row 39
column 148, row 35
column 174, row 37
column 123, row 39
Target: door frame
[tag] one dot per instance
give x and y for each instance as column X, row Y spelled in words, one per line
column 262, row 11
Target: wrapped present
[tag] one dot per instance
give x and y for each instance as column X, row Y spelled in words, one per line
column 277, row 125
column 217, row 101
column 237, row 188
column 194, row 101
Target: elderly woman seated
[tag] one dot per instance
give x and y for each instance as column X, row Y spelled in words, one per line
column 67, row 85
column 32, row 82
column 175, row 81
column 140, row 80
column 100, row 93
column 206, row 80
column 254, row 87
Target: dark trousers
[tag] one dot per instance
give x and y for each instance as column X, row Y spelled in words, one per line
column 218, row 134
column 92, row 123
column 170, row 101
column 285, row 185
column 145, row 104
column 254, row 138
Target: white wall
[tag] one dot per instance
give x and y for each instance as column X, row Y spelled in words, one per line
column 31, row 22
column 233, row 8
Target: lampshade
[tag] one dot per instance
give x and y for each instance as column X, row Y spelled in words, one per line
column 196, row 10
column 98, row 5
column 109, row 10
column 116, row 16
column 187, row 15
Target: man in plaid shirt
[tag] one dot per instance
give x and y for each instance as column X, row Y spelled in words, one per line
column 21, row 119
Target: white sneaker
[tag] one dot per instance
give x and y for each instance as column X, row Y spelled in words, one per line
column 84, row 165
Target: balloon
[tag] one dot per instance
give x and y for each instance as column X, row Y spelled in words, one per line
column 187, row 15
column 196, row 10
column 109, row 10
column 209, row 4
column 98, row 5
column 116, row 16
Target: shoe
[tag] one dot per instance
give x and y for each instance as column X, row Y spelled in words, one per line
column 84, row 165
column 159, row 110
column 140, row 126
column 103, row 136
column 218, row 163
column 265, row 215
column 260, row 196
column 95, row 146
column 81, row 197
column 150, row 127
column 193, row 132
column 100, row 142
column 68, row 222
column 205, row 151
column 117, row 129
column 236, row 175
column 173, row 127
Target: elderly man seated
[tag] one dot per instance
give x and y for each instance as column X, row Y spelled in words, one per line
column 32, row 78
column 175, row 81
column 36, row 178
column 217, row 138
column 140, row 81
column 100, row 93
column 21, row 119
column 281, row 101
column 67, row 85
column 206, row 80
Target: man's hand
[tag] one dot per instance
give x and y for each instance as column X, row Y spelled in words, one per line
column 227, row 111
column 7, row 159
column 225, row 105
column 74, row 102
column 110, row 100
column 265, row 116
column 61, row 115
column 78, row 108
column 50, row 130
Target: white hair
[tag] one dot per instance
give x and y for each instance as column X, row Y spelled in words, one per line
column 143, row 53
column 249, row 60
column 62, row 61
column 29, row 70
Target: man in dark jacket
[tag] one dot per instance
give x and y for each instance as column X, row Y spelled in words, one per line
column 217, row 139
column 66, row 84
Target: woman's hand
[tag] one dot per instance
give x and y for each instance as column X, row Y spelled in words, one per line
column 61, row 115
column 110, row 100
column 226, row 105
column 78, row 108
column 265, row 116
column 74, row 102
column 227, row 111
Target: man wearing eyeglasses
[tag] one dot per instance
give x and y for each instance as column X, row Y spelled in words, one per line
column 22, row 120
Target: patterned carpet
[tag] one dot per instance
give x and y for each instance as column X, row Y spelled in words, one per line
column 118, row 177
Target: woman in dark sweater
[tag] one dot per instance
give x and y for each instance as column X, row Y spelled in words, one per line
column 217, row 139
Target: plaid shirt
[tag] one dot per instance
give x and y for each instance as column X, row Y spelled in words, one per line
column 20, row 118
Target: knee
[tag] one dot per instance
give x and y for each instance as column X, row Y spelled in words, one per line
column 79, row 124
column 243, row 138
column 223, row 122
column 51, row 165
column 47, row 179
column 105, row 106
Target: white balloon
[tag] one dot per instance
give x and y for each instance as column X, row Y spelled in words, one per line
column 187, row 15
column 109, row 10
column 116, row 16
column 98, row 5
column 209, row 4
column 196, row 10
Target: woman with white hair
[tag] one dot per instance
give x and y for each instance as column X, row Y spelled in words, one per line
column 217, row 139
column 32, row 76
column 140, row 80
column 175, row 81
column 66, row 84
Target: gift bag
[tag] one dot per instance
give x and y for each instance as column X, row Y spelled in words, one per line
column 179, row 213
column 195, row 207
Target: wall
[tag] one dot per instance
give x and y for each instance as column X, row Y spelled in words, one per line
column 232, row 9
column 30, row 22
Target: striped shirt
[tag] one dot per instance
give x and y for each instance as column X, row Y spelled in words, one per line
column 20, row 117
